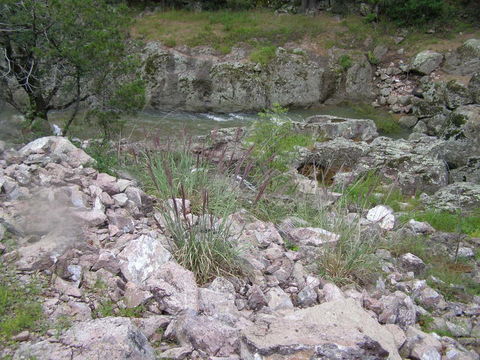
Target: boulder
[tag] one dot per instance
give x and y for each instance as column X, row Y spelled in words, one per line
column 397, row 308
column 359, row 81
column 106, row 338
column 474, row 87
column 142, row 258
column 410, row 262
column 408, row 163
column 332, row 330
column 426, row 62
column 206, row 334
column 465, row 60
column 467, row 118
column 174, row 288
column 457, row 94
column 55, row 149
column 462, row 196
column 332, row 127
column 178, row 80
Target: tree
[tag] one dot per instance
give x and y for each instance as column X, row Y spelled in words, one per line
column 63, row 53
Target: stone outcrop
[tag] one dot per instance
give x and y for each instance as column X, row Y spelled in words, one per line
column 337, row 329
column 209, row 83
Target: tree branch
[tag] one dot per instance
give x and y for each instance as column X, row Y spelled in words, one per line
column 70, row 103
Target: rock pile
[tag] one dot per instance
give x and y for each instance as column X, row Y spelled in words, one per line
column 88, row 231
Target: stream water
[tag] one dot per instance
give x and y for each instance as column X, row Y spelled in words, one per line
column 173, row 123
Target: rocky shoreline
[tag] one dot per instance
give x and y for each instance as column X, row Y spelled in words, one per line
column 97, row 238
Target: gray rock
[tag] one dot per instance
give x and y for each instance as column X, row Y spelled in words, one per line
column 333, row 330
column 206, row 334
column 410, row 163
column 174, row 288
column 456, row 94
column 408, row 121
column 219, row 305
column 207, row 83
column 54, row 149
column 397, row 308
column 426, row 62
column 421, row 346
column 410, row 262
column 420, row 127
column 279, row 300
column 463, row 196
column 312, row 236
column 420, row 228
column 142, row 258
column 380, row 51
column 107, row 338
column 469, row 122
column 465, row 60
column 471, row 48
column 307, row 297
column 474, row 87
column 359, row 81
column 332, row 127
column 256, row 298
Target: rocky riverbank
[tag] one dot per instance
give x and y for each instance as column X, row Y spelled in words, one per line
column 201, row 79
column 107, row 265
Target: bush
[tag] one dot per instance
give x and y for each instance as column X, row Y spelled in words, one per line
column 416, row 12
column 345, row 62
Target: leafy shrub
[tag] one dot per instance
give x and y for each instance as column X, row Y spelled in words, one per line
column 372, row 59
column 416, row 12
column 105, row 157
column 345, row 62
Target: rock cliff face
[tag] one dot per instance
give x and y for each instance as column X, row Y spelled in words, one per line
column 195, row 81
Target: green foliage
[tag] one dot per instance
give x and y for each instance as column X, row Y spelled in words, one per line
column 19, row 307
column 263, row 55
column 275, row 140
column 416, row 12
column 178, row 173
column 106, row 159
column 109, row 308
column 204, row 247
column 77, row 48
column 448, row 222
column 372, row 59
column 224, row 29
column 345, row 62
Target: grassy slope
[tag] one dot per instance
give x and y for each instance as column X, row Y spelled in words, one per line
column 262, row 28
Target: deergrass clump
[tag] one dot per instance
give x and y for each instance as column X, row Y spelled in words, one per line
column 351, row 259
column 178, row 172
column 203, row 245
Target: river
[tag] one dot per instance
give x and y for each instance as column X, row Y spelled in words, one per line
column 169, row 124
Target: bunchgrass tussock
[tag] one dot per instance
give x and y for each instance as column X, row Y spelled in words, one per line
column 202, row 243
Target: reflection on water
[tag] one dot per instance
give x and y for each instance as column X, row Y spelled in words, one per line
column 164, row 124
